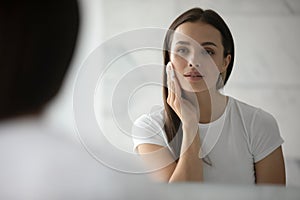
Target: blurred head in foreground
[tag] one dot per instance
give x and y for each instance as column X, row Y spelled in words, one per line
column 37, row 43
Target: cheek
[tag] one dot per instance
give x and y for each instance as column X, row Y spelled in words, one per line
column 211, row 71
column 213, row 66
column 178, row 62
column 219, row 62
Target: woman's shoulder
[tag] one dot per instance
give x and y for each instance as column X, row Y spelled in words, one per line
column 252, row 113
column 246, row 108
column 149, row 128
column 242, row 105
column 154, row 117
column 263, row 134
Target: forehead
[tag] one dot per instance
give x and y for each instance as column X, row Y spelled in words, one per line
column 199, row 32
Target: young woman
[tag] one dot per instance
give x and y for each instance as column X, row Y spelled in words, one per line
column 201, row 134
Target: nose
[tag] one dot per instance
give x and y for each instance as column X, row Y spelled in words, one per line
column 194, row 65
column 194, row 61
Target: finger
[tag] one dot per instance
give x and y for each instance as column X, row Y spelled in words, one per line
column 171, row 91
column 168, row 78
column 170, row 97
column 172, row 86
column 177, row 87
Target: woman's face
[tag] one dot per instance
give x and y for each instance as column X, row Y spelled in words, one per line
column 197, row 55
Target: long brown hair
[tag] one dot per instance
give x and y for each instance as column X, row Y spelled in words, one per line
column 172, row 122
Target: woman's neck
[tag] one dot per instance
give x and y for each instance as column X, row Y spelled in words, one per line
column 212, row 105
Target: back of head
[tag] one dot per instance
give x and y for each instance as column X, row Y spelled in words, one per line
column 37, row 42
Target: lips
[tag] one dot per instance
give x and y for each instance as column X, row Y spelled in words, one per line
column 193, row 74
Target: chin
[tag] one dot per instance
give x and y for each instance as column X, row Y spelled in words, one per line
column 195, row 88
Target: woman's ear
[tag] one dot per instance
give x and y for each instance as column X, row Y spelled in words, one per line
column 226, row 62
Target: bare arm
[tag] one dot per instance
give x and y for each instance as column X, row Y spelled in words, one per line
column 188, row 167
column 162, row 163
column 271, row 169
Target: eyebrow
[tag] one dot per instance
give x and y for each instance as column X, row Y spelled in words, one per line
column 203, row 44
column 183, row 43
column 208, row 43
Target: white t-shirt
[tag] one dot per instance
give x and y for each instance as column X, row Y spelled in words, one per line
column 242, row 136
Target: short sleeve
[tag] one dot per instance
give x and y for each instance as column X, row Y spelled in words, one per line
column 147, row 130
column 265, row 135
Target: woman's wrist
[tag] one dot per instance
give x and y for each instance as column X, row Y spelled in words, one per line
column 190, row 133
column 190, row 127
column 191, row 141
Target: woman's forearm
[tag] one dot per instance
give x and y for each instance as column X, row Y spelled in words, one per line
column 189, row 165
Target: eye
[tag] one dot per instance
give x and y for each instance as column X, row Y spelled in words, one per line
column 182, row 50
column 207, row 52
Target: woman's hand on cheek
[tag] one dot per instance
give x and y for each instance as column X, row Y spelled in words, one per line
column 186, row 109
